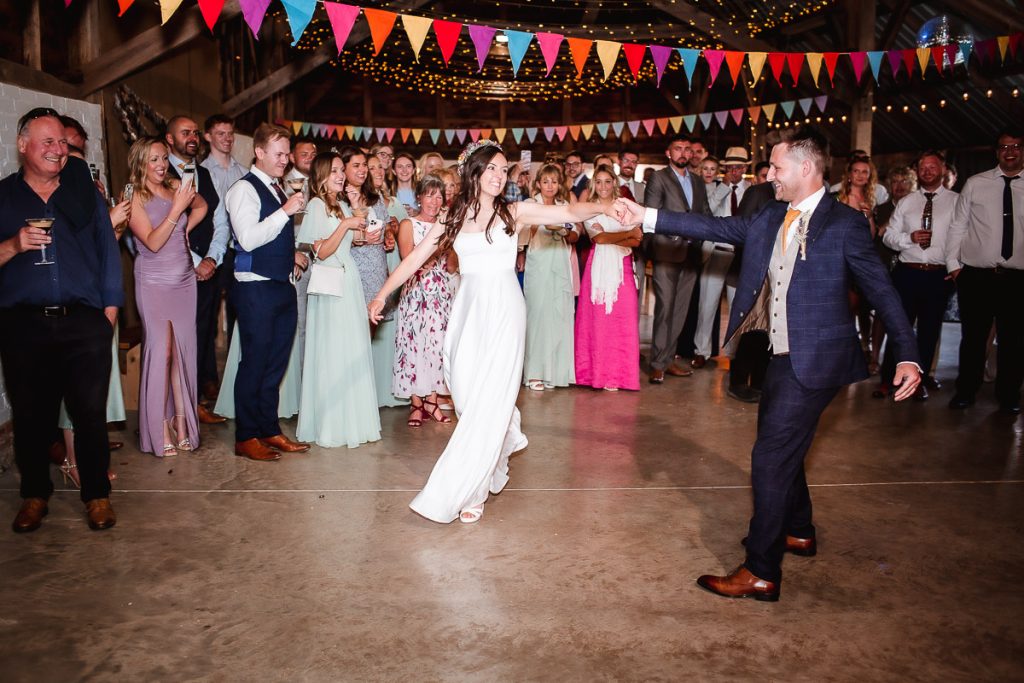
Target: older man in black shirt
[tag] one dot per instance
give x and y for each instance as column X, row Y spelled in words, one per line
column 56, row 319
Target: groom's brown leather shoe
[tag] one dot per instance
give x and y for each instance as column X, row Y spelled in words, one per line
column 208, row 417
column 30, row 516
column 740, row 584
column 657, row 376
column 804, row 547
column 255, row 450
column 283, row 443
column 100, row 514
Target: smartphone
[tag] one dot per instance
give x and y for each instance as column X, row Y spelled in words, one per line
column 129, row 190
column 95, row 172
column 188, row 175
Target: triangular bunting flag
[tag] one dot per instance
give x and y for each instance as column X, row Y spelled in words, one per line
column 662, row 124
column 331, row 130
column 705, row 120
column 805, row 104
column 894, row 61
column 296, row 126
column 787, row 108
column 299, row 12
column 676, row 122
column 689, row 58
column 721, row 117
column 574, row 132
column 579, row 48
column 518, row 42
column 965, row 49
column 460, row 133
column 938, row 54
column 634, row 126
column 857, row 62
column 123, row 6
column 769, row 111
column 253, row 11
column 416, row 28
column 342, row 17
column 737, row 115
column 617, row 127
column 1002, row 41
column 517, row 134
column 690, row 120
column 381, row 22
column 549, row 45
column 167, row 9
column 755, row 114
column 449, row 135
column 390, row 133
column 549, row 133
column 210, row 10
column 474, row 134
column 755, row 60
column 634, row 57
column 486, row 133
column 777, row 62
column 587, row 129
column 648, row 126
column 417, row 133
column 909, row 57
column 531, row 134
column 951, row 52
column 875, row 60
column 734, row 60
column 831, row 59
column 560, row 131
column 795, row 60
column 814, row 60
column 435, row 133
column 350, row 131
column 381, row 134
column 608, row 53
column 821, row 101
column 447, row 34
column 602, row 130
column 404, row 133
column 924, row 55
column 481, row 37
column 660, row 56
column 1014, row 42
column 357, row 132
column 714, row 59
column 499, row 134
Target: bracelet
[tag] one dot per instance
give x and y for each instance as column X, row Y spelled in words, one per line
column 174, row 222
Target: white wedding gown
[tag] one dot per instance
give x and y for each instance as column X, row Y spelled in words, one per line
column 483, row 367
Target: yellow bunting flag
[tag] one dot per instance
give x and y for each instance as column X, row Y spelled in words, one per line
column 814, row 63
column 416, row 28
column 608, row 53
column 924, row 55
column 169, row 7
column 769, row 111
column 416, row 134
column 755, row 60
column 350, row 131
column 296, row 126
column 499, row 134
column 586, row 130
column 676, row 122
column 1003, row 42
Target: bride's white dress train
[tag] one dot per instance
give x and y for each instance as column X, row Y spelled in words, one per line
column 483, row 367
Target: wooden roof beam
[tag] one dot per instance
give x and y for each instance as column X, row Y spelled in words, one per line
column 687, row 13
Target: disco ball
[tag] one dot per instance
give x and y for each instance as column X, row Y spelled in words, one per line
column 941, row 30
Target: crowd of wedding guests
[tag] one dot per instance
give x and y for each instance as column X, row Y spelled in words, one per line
column 298, row 243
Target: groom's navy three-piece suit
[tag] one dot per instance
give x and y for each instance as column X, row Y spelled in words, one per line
column 824, row 352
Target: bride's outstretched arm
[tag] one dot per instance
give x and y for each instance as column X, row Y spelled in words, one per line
column 409, row 265
column 533, row 213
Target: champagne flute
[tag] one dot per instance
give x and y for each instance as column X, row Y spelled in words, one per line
column 298, row 185
column 360, row 212
column 45, row 224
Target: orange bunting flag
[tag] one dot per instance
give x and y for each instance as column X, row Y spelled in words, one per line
column 416, row 28
column 608, row 53
column 574, row 131
column 634, row 57
column 755, row 114
column 404, row 132
column 734, row 60
column 486, row 133
column 381, row 22
column 755, row 60
column 123, row 6
column 923, row 56
column 580, row 50
column 662, row 124
column 447, row 33
column 1002, row 41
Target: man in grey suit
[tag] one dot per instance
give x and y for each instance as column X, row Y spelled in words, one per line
column 676, row 259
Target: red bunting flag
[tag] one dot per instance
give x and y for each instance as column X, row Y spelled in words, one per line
column 939, row 56
column 580, row 50
column 831, row 59
column 737, row 115
column 909, row 57
column 777, row 61
column 858, row 60
column 210, row 10
column 796, row 62
column 123, row 6
column 447, row 33
column 735, row 62
column 634, row 57
column 381, row 22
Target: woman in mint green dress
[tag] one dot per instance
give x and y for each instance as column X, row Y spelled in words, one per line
column 291, row 384
column 338, row 406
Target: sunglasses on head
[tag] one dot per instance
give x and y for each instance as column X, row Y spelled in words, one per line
column 37, row 113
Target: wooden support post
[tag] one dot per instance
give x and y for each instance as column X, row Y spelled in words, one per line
column 862, row 31
column 33, row 51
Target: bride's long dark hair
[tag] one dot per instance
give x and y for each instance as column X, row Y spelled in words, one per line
column 467, row 201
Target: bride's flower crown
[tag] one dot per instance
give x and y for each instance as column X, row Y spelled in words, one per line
column 473, row 147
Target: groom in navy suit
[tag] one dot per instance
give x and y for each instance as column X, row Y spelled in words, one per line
column 798, row 263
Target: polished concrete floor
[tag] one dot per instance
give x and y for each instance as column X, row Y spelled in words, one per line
column 314, row 569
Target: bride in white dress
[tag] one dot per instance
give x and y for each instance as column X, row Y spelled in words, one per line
column 483, row 348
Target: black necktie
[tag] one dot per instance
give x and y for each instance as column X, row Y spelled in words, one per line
column 926, row 215
column 1008, row 217
column 734, row 204
column 279, row 192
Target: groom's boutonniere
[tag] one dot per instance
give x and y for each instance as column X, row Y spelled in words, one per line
column 801, row 235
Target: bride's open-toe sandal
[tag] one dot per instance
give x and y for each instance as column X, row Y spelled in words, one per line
column 416, row 414
column 435, row 412
column 535, row 385
column 471, row 515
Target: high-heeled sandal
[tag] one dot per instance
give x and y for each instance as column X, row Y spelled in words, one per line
column 183, row 444
column 433, row 414
column 169, row 450
column 414, row 421
column 69, row 470
column 472, row 515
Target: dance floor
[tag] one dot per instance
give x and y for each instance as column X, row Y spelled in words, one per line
column 314, row 569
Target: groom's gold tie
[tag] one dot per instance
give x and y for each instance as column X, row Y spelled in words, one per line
column 791, row 215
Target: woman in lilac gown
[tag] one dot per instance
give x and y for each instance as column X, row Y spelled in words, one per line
column 164, row 211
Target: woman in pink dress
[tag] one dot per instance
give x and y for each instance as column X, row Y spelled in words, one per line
column 607, row 314
column 164, row 210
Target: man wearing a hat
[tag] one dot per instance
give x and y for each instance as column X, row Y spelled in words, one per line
column 718, row 256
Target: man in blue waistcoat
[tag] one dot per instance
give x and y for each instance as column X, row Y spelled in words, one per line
column 264, row 298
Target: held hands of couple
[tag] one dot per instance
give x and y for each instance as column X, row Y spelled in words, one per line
column 907, row 377
column 626, row 211
column 375, row 310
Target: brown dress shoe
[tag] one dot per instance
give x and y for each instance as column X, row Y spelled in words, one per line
column 677, row 371
column 804, row 547
column 208, row 417
column 283, row 443
column 30, row 516
column 255, row 450
column 698, row 362
column 101, row 515
column 740, row 584
column 657, row 377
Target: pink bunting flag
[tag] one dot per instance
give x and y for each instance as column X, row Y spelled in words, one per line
column 342, row 17
column 481, row 37
column 858, row 60
column 560, row 131
column 660, row 56
column 474, row 134
column 714, row 59
column 389, row 133
column 737, row 115
column 549, row 45
column 648, row 126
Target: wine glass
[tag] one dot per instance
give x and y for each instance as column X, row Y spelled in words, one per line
column 360, row 212
column 45, row 224
column 298, row 185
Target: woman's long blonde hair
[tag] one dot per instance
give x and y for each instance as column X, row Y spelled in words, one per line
column 847, row 182
column 138, row 161
column 320, row 172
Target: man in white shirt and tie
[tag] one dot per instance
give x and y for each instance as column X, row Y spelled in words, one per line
column 725, row 201
column 985, row 256
column 918, row 230
column 264, row 298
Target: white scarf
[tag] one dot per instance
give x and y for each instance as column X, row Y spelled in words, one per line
column 606, row 265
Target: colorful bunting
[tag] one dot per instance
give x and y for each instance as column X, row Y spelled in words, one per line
column 875, row 60
column 435, row 133
column 549, row 45
column 617, row 127
column 676, row 122
column 123, row 6
column 417, row 133
column 518, row 42
column 648, row 126
column 690, row 121
column 805, row 104
column 857, row 61
column 447, row 34
column 737, row 115
column 634, row 127
column 587, row 129
column 755, row 60
column 580, row 50
column 167, row 9
column 660, row 56
column 721, row 117
column 714, row 59
column 705, row 120
column 787, row 108
column 909, row 57
column 602, row 130
column 574, row 132
column 831, row 59
column 795, row 60
column 755, row 114
column 689, row 58
column 210, row 10
column 499, row 134
column 634, row 57
column 734, row 60
column 474, row 134
column 342, row 17
column 560, row 131
column 531, row 134
column 769, row 111
column 777, row 61
column 416, row 28
column 608, row 53
column 381, row 22
column 299, row 12
column 481, row 37
column 517, row 134
column 814, row 60
column 821, row 101
column 662, row 124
